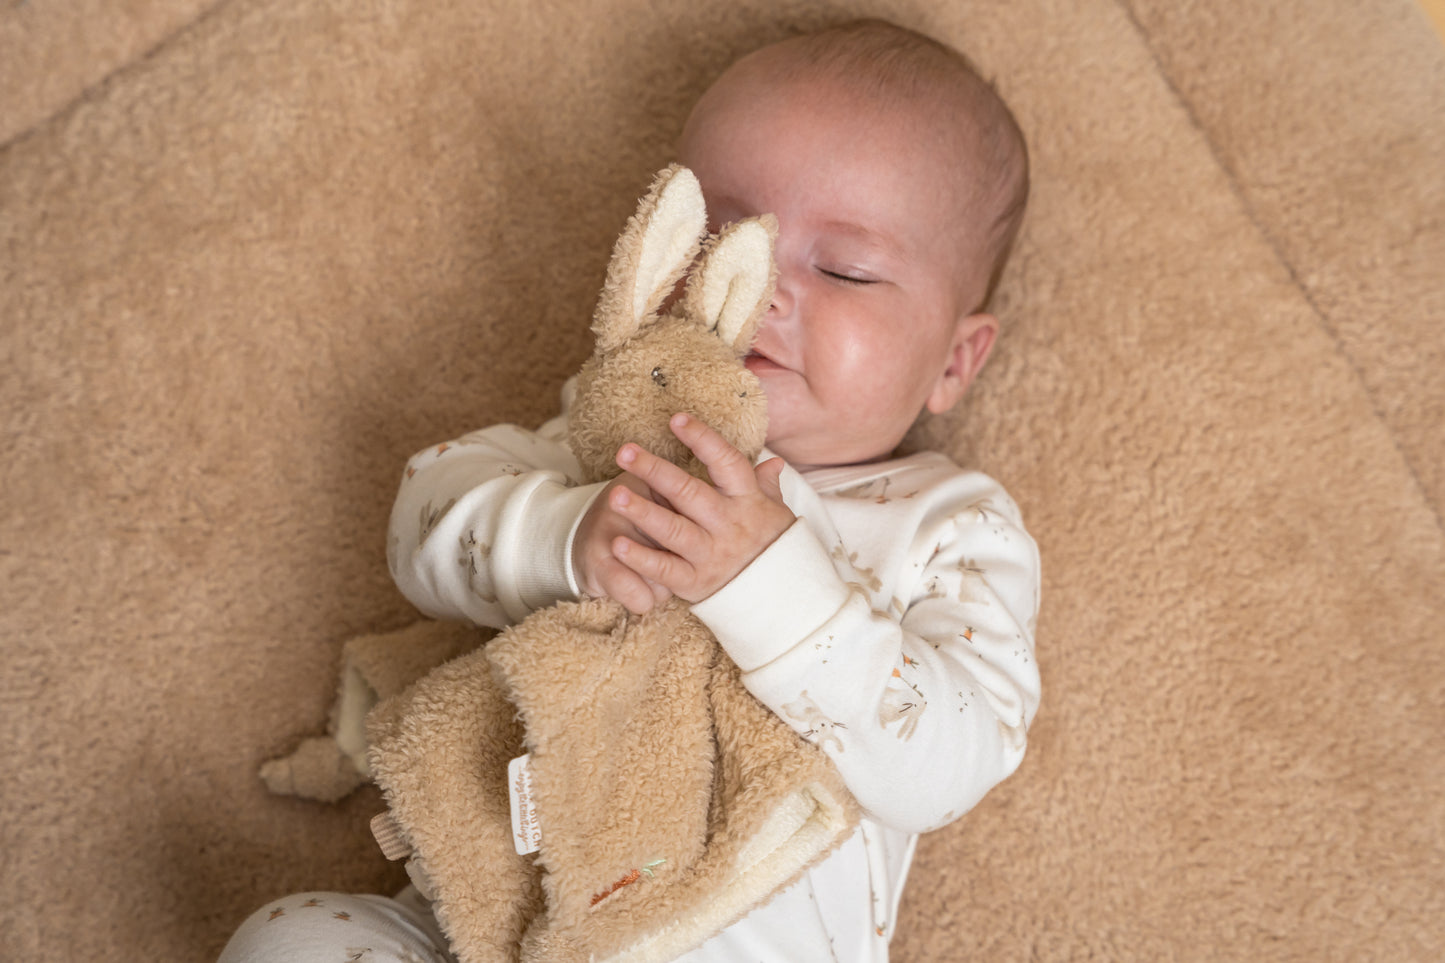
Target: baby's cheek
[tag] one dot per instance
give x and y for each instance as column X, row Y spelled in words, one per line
column 852, row 365
column 865, row 380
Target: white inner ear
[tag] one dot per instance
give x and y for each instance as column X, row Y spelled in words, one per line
column 737, row 274
column 674, row 227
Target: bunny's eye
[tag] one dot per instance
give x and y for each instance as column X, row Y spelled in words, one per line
column 659, row 377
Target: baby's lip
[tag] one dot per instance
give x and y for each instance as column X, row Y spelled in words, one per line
column 757, row 362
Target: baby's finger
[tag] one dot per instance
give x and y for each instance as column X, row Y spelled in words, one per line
column 688, row 495
column 769, row 475
column 653, row 565
column 730, row 469
column 636, row 593
column 661, row 525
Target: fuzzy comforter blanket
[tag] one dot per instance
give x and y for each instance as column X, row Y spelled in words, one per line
column 254, row 253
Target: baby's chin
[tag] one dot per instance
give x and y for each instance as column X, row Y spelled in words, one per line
column 808, row 445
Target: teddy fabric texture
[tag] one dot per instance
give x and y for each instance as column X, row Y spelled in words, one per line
column 254, row 252
column 374, row 667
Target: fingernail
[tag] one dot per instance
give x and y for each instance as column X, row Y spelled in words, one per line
column 679, row 420
column 627, row 455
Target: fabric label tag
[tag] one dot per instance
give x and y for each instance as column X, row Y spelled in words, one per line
column 526, row 833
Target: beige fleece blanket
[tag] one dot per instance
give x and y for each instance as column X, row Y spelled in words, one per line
column 254, row 253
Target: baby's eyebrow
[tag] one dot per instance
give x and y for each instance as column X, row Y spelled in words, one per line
column 880, row 241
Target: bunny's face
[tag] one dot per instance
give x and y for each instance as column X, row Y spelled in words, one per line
column 650, row 366
column 672, row 365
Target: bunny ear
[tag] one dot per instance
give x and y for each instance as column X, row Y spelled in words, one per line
column 657, row 246
column 733, row 288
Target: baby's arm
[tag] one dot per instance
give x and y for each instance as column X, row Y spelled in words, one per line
column 923, row 703
column 922, row 714
column 481, row 525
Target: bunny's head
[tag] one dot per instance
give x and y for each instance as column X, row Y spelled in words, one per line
column 649, row 365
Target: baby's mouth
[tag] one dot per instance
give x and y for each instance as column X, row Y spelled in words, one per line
column 759, row 363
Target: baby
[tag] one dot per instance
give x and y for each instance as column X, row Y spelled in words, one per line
column 884, row 607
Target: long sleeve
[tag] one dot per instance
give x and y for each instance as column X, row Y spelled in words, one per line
column 893, row 626
column 481, row 529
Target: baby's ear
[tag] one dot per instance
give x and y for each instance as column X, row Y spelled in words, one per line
column 733, row 287
column 972, row 343
column 658, row 244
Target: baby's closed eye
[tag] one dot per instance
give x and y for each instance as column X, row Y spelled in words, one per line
column 848, row 275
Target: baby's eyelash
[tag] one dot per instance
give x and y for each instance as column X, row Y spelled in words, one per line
column 846, row 278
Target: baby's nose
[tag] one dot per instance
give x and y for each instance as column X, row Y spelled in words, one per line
column 782, row 302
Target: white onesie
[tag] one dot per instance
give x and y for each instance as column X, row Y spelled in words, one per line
column 892, row 625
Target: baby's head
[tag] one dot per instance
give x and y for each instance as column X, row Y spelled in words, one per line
column 899, row 178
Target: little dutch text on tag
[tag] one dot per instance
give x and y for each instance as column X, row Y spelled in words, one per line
column 526, row 833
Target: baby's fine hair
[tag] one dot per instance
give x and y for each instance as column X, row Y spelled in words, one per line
column 893, row 64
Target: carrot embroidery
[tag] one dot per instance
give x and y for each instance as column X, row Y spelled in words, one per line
column 632, row 876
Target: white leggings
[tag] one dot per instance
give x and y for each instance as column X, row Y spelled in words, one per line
column 340, row 928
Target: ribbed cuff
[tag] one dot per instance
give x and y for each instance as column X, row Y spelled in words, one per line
column 541, row 554
column 784, row 596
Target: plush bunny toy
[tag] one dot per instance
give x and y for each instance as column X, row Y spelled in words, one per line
column 669, row 801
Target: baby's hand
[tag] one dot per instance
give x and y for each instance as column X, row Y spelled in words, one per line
column 599, row 573
column 704, row 535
